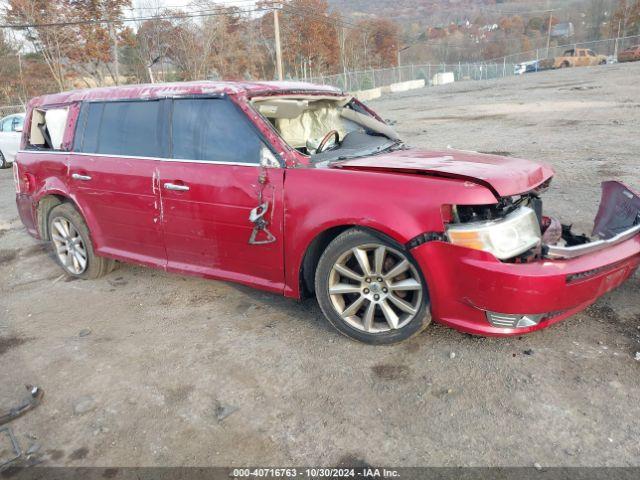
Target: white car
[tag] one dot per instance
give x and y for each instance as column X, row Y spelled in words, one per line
column 10, row 134
column 526, row 67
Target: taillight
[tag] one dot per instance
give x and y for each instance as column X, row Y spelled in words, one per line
column 25, row 182
column 16, row 176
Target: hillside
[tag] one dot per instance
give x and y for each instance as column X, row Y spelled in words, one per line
column 438, row 12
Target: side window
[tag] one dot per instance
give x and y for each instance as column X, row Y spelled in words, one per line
column 125, row 128
column 47, row 128
column 120, row 128
column 86, row 139
column 214, row 130
column 5, row 126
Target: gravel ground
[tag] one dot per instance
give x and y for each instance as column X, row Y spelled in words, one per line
column 147, row 368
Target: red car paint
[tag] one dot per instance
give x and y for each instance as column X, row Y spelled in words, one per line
column 503, row 175
column 205, row 231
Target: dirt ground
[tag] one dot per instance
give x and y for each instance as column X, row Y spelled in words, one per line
column 147, row 368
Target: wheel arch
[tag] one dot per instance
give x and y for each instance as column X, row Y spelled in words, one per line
column 45, row 204
column 314, row 250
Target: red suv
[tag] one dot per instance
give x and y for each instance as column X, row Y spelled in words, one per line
column 300, row 189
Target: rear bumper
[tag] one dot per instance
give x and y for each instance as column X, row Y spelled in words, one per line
column 465, row 284
column 27, row 211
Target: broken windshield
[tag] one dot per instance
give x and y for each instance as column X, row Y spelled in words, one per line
column 327, row 128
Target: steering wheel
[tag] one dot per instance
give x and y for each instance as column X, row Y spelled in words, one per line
column 322, row 146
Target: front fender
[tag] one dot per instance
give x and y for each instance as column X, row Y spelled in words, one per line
column 401, row 206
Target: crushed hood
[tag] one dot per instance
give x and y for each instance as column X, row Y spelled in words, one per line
column 504, row 176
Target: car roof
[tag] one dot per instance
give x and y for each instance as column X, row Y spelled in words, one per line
column 164, row 90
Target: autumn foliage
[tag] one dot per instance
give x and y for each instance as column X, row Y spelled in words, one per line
column 97, row 42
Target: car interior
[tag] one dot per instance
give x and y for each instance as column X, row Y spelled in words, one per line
column 326, row 127
column 47, row 128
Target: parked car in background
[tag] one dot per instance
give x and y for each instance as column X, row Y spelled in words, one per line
column 10, row 133
column 526, row 67
column 532, row 66
column 300, row 189
column 631, row 54
column 579, row 57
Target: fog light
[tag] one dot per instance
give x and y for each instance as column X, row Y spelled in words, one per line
column 509, row 320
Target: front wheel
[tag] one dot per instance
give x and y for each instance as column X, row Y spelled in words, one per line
column 3, row 161
column 371, row 289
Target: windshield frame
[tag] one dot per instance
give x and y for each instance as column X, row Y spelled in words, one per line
column 304, row 159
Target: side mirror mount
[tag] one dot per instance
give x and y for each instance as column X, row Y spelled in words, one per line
column 268, row 159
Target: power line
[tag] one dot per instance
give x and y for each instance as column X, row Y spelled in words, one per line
column 107, row 21
column 229, row 3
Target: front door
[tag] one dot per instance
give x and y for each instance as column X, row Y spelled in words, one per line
column 114, row 177
column 209, row 188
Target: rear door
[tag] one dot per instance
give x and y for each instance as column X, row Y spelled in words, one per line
column 114, row 177
column 209, row 189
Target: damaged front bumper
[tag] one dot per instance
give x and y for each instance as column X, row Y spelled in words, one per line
column 472, row 291
column 618, row 220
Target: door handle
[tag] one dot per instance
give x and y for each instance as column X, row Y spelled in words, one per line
column 77, row 176
column 178, row 188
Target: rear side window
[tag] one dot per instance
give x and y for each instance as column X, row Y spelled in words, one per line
column 121, row 128
column 47, row 128
column 5, row 126
column 214, row 130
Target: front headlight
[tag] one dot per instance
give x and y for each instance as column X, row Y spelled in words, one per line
column 505, row 238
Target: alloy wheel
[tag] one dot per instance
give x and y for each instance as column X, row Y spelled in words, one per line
column 70, row 247
column 375, row 288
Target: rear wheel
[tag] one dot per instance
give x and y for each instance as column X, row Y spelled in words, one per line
column 72, row 244
column 371, row 289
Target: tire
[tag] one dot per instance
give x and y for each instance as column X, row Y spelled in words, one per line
column 387, row 304
column 70, row 238
column 3, row 161
column 565, row 65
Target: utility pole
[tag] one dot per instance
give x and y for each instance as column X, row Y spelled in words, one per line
column 150, row 72
column 23, row 88
column 116, row 60
column 615, row 48
column 549, row 32
column 276, row 29
column 343, row 44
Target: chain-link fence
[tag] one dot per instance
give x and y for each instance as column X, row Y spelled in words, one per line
column 487, row 70
column 366, row 79
column 10, row 109
column 609, row 47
